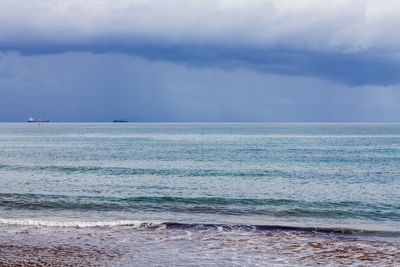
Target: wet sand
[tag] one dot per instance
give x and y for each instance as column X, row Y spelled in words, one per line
column 72, row 246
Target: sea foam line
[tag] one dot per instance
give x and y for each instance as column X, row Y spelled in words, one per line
column 134, row 224
column 80, row 224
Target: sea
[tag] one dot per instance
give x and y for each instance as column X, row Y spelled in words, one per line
column 200, row 194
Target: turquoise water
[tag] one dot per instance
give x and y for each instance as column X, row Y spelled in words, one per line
column 305, row 175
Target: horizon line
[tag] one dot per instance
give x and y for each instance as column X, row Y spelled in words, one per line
column 208, row 122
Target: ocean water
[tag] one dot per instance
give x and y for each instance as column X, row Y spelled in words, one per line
column 184, row 184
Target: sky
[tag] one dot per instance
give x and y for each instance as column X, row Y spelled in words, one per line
column 200, row 60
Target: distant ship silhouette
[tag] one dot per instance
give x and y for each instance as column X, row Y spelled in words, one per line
column 119, row 120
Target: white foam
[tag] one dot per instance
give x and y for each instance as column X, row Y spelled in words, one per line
column 81, row 224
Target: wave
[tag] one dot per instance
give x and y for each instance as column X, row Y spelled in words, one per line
column 203, row 205
column 163, row 172
column 156, row 225
column 118, row 171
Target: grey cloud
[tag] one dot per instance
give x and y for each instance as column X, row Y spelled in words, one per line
column 317, row 25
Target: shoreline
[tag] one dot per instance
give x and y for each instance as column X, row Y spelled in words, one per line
column 179, row 225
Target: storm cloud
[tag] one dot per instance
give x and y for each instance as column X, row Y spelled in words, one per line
column 256, row 60
column 351, row 41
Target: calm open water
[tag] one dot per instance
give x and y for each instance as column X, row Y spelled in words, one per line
column 219, row 179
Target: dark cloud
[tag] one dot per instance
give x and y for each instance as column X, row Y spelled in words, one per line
column 356, row 68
